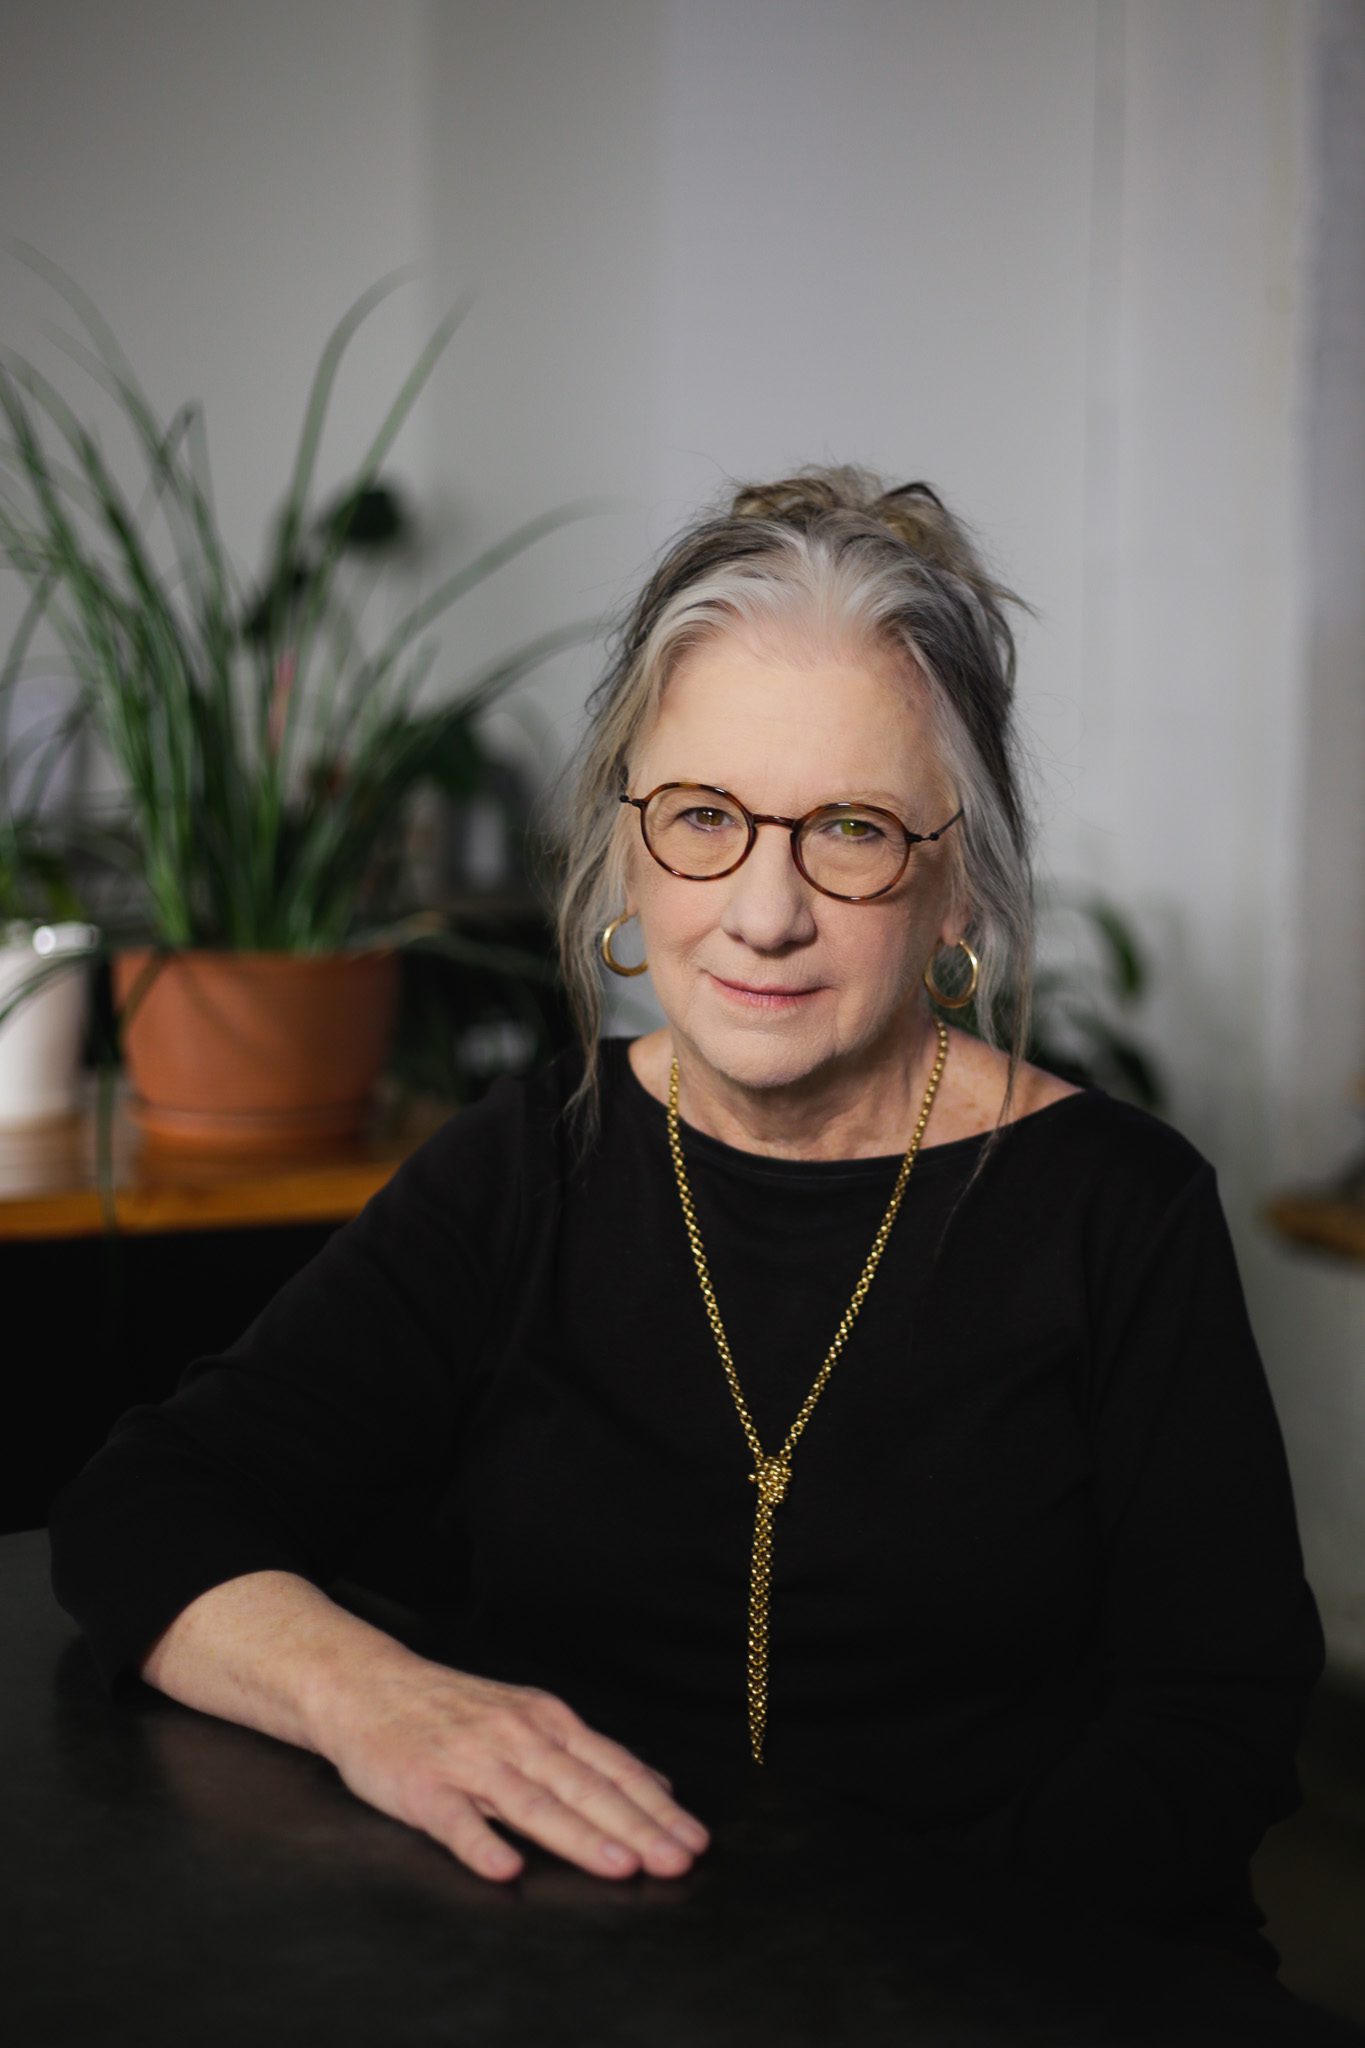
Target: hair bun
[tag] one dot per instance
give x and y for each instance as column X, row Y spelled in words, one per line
column 797, row 499
column 917, row 515
column 914, row 512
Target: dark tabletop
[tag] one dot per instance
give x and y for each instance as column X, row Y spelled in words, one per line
column 172, row 1878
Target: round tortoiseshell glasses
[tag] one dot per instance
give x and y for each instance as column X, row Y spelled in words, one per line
column 851, row 851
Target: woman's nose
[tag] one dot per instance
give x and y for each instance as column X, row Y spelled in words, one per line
column 769, row 900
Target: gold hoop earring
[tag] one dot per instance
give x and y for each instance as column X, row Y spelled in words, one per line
column 605, row 942
column 964, row 996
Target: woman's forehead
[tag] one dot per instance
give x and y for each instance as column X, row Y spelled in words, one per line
column 795, row 647
column 734, row 706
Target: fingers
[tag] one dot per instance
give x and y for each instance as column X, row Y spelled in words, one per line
column 627, row 1777
column 457, row 1752
column 453, row 1821
column 589, row 1799
column 638, row 1785
column 570, row 1808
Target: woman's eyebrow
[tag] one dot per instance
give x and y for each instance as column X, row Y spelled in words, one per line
column 884, row 797
column 854, row 793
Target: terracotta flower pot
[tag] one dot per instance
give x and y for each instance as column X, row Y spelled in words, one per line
column 255, row 1052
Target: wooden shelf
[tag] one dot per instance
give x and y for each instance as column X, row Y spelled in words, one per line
column 1329, row 1222
column 49, row 1182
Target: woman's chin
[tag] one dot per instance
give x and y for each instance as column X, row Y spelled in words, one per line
column 752, row 1056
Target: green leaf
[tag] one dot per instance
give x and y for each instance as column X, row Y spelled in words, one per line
column 1127, row 969
column 266, row 775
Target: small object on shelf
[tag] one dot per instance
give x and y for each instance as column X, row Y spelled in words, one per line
column 1333, row 1217
column 1330, row 1221
column 41, row 1035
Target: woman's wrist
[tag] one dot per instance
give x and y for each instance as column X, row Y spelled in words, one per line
column 272, row 1652
column 342, row 1663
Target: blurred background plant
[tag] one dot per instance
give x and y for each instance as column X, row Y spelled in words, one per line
column 1090, row 982
column 266, row 752
column 36, row 883
column 268, row 756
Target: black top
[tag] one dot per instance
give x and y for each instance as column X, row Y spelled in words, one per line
column 1037, row 1580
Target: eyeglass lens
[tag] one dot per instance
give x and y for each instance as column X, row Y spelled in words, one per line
column 698, row 833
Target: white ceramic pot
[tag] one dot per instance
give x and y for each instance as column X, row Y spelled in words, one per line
column 41, row 1041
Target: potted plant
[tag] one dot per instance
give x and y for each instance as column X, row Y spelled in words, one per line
column 268, row 753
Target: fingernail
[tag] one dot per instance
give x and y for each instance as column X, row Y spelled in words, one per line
column 691, row 1834
column 615, row 1853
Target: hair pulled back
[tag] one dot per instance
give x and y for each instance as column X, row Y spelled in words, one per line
column 833, row 553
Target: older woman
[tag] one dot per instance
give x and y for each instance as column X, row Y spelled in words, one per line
column 807, row 1382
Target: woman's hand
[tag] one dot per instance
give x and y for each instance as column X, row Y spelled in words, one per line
column 443, row 1749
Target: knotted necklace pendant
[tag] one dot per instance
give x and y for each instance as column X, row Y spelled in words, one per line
column 771, row 1474
column 771, row 1480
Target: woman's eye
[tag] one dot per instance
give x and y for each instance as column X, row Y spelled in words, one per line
column 707, row 819
column 855, row 831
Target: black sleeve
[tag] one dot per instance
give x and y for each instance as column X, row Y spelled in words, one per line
column 341, row 1397
column 1209, row 1641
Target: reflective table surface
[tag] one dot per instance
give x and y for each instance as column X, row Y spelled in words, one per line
column 173, row 1878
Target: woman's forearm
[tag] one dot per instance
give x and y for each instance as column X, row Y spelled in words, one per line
column 270, row 1650
column 441, row 1750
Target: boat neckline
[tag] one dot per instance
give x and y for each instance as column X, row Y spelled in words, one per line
column 875, row 1165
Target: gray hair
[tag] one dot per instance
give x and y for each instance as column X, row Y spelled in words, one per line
column 834, row 553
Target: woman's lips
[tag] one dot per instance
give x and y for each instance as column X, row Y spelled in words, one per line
column 764, row 998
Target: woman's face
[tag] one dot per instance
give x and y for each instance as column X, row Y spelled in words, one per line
column 762, row 978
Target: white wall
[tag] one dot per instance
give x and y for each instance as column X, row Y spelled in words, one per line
column 223, row 181
column 1309, row 1308
column 544, row 184
column 1085, row 264
column 1224, row 782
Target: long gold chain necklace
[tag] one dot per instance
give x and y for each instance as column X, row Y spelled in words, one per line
column 772, row 1474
